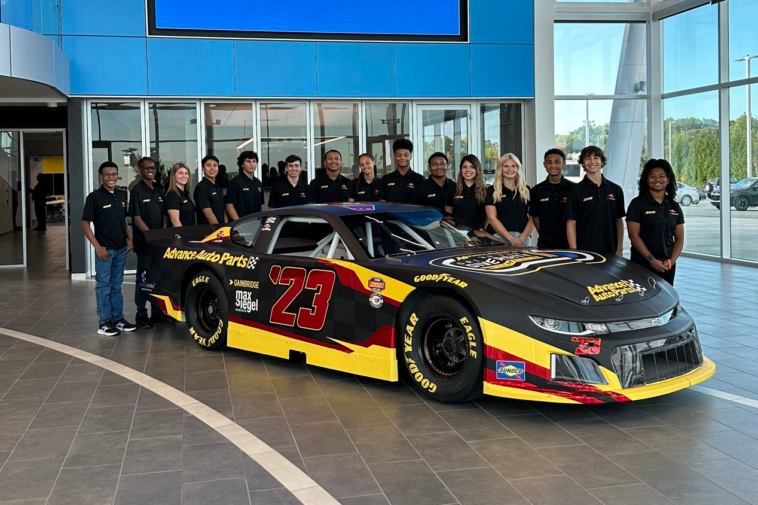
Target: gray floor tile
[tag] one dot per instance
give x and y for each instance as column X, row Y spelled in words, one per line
column 502, row 454
column 172, row 377
column 557, row 412
column 197, row 432
column 558, row 490
column 10, row 434
column 481, row 486
column 410, row 484
column 224, row 458
column 112, row 395
column 86, row 486
column 56, row 415
column 321, row 439
column 219, row 400
column 221, row 492
column 151, row 401
column 274, row 431
column 97, row 449
column 604, row 437
column 247, row 365
column 204, row 381
column 20, row 410
column 22, row 480
column 157, row 423
column 722, row 498
column 73, row 392
column 374, row 499
column 295, row 387
column 538, row 431
column 51, row 355
column 248, row 385
column 587, row 467
column 277, row 367
column 361, row 414
column 342, row 475
column 393, row 394
column 256, row 405
column 625, row 416
column 634, row 494
column 344, row 390
column 44, row 370
column 476, row 425
column 32, row 388
column 257, row 477
column 446, row 451
column 211, row 363
column 416, row 419
column 279, row 496
column 383, row 445
column 311, row 409
column 153, row 455
column 13, row 368
column 734, row 444
column 675, row 444
column 44, row 444
column 732, row 475
column 153, row 488
column 104, row 419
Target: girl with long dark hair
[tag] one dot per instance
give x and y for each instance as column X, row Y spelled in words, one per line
column 470, row 192
column 366, row 187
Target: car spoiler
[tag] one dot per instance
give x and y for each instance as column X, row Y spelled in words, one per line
column 185, row 232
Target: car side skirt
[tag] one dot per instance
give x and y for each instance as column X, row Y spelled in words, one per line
column 168, row 306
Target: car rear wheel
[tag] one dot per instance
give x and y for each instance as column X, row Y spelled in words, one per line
column 207, row 310
column 686, row 200
column 443, row 350
column 741, row 203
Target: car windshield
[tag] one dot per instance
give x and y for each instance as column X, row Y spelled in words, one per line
column 744, row 183
column 413, row 232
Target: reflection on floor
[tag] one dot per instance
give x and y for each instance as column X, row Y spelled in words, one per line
column 46, row 251
column 76, row 435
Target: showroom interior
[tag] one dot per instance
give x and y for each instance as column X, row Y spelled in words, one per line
column 150, row 417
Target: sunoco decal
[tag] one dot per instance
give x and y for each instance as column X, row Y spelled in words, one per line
column 515, row 262
column 510, row 370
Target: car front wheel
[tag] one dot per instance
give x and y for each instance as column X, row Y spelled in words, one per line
column 207, row 310
column 443, row 350
column 686, row 200
column 741, row 203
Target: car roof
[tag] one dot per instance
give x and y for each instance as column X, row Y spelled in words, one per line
column 341, row 209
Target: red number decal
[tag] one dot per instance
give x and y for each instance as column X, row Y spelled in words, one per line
column 587, row 345
column 309, row 318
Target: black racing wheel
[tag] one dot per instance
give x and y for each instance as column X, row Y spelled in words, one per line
column 207, row 310
column 443, row 350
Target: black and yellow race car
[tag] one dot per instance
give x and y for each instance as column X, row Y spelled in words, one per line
column 372, row 289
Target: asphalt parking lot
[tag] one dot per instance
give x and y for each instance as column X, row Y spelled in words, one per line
column 703, row 225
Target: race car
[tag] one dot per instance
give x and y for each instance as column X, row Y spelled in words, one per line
column 384, row 289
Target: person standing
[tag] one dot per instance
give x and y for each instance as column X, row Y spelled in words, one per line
column 146, row 210
column 655, row 221
column 548, row 202
column 367, row 187
column 106, row 209
column 39, row 195
column 507, row 203
column 180, row 209
column 209, row 198
column 437, row 190
column 290, row 190
column 470, row 192
column 398, row 186
column 595, row 209
column 332, row 186
column 244, row 195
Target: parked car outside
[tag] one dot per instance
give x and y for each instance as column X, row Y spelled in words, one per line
column 715, row 183
column 743, row 196
column 686, row 194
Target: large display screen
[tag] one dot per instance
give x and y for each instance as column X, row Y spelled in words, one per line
column 390, row 20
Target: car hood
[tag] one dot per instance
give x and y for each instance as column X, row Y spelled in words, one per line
column 580, row 277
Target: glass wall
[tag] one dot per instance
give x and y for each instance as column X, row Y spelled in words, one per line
column 335, row 126
column 12, row 201
column 500, row 133
column 743, row 175
column 690, row 49
column 228, row 132
column 743, row 41
column 444, row 129
column 284, row 131
column 173, row 137
column 386, row 122
column 116, row 133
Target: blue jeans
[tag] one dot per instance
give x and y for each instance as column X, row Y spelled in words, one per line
column 109, row 275
column 140, row 299
column 517, row 234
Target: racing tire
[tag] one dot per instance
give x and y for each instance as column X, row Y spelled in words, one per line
column 742, row 203
column 686, row 200
column 443, row 350
column 207, row 310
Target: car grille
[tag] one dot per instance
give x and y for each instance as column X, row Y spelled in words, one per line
column 650, row 362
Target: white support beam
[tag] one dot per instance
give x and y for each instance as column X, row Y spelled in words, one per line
column 539, row 123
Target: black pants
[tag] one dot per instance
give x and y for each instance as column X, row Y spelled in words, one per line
column 667, row 276
column 40, row 210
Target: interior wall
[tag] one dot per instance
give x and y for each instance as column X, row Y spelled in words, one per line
column 37, row 146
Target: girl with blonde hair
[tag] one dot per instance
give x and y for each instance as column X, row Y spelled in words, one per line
column 180, row 209
column 507, row 203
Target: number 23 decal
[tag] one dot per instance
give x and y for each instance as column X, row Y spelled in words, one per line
column 296, row 278
column 586, row 345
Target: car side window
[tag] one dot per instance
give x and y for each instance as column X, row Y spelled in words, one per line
column 309, row 237
column 246, row 233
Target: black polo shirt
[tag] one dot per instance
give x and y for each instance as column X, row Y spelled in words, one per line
column 595, row 210
column 429, row 193
column 548, row 202
column 146, row 203
column 180, row 200
column 209, row 196
column 361, row 191
column 512, row 210
column 325, row 190
column 658, row 221
column 245, row 194
column 284, row 194
column 399, row 188
column 107, row 211
column 468, row 210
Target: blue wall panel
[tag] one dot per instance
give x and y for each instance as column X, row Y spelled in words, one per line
column 432, row 70
column 187, row 67
column 356, row 69
column 502, row 70
column 275, row 68
column 103, row 17
column 107, row 65
column 502, row 22
column 17, row 13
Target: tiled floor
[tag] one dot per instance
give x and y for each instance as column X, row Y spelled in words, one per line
column 84, row 436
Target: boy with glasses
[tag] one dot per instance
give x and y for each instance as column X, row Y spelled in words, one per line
column 106, row 209
column 437, row 190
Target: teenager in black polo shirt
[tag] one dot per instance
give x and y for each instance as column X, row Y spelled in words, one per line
column 209, row 197
column 595, row 209
column 244, row 195
column 367, row 187
column 470, row 192
column 437, row 190
column 655, row 221
column 106, row 209
column 548, row 202
column 398, row 186
column 180, row 209
column 507, row 203
column 290, row 190
column 332, row 186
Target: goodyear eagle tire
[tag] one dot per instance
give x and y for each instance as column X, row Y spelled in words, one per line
column 207, row 310
column 443, row 350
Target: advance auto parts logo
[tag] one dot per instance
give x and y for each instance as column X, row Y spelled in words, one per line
column 231, row 260
column 615, row 290
column 515, row 262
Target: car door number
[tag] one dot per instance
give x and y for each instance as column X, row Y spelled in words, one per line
column 296, row 278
